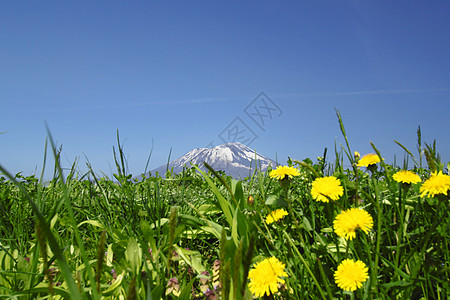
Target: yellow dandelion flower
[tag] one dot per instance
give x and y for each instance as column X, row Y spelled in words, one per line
column 282, row 171
column 356, row 154
column 276, row 215
column 346, row 223
column 265, row 277
column 438, row 183
column 368, row 159
column 351, row 274
column 325, row 188
column 407, row 177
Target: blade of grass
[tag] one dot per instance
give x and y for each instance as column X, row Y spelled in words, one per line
column 72, row 219
column 341, row 125
column 148, row 159
column 305, row 264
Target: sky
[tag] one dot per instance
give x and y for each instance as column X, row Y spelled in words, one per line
column 171, row 76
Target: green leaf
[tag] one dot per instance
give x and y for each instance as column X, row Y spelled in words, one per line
column 92, row 222
column 400, row 272
column 109, row 256
column 53, row 221
column 43, row 288
column 157, row 292
column 159, row 223
column 186, row 290
column 192, row 258
column 133, row 254
column 208, row 209
column 400, row 283
column 110, row 290
column 236, row 187
column 223, row 203
column 306, row 224
column 213, row 228
column 234, row 227
column 274, row 200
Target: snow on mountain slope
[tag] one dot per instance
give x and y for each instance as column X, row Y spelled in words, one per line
column 236, row 159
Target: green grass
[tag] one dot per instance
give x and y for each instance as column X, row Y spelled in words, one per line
column 197, row 234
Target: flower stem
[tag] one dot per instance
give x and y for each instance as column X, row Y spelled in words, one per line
column 402, row 223
column 369, row 257
column 374, row 281
column 324, row 278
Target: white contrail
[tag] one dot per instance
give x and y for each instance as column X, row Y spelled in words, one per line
column 356, row 93
column 183, row 101
column 103, row 106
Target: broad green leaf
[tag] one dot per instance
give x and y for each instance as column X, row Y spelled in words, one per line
column 236, row 187
column 192, row 258
column 224, row 205
column 274, row 200
column 109, row 256
column 133, row 254
column 213, row 228
column 306, row 224
column 159, row 222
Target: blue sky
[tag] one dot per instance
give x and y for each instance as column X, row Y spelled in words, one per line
column 179, row 75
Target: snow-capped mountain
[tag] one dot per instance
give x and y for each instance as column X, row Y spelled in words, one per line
column 236, row 159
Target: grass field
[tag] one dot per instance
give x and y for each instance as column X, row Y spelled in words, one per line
column 312, row 230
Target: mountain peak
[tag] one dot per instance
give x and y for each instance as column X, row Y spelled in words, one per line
column 235, row 159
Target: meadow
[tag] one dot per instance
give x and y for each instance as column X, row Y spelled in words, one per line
column 310, row 229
